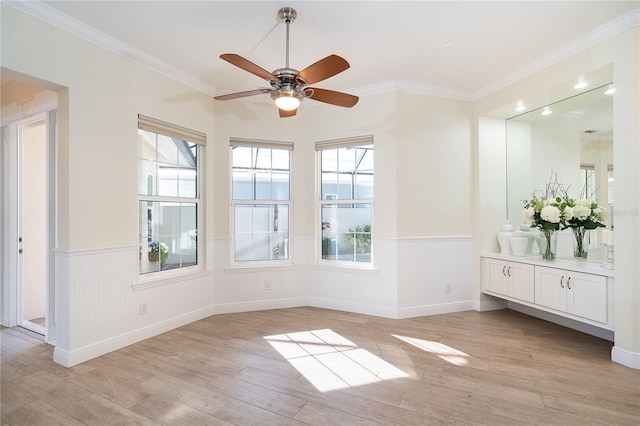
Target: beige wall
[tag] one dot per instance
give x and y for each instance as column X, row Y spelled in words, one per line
column 105, row 94
column 433, row 166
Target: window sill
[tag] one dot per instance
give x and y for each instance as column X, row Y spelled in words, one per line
column 159, row 279
column 259, row 269
column 368, row 270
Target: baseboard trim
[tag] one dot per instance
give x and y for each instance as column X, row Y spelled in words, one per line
column 80, row 355
column 625, row 357
column 427, row 310
column 358, row 308
column 261, row 305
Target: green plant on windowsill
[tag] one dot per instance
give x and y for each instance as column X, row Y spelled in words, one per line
column 158, row 251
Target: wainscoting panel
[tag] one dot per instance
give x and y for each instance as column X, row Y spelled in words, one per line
column 102, row 305
column 245, row 288
column 435, row 275
column 367, row 291
column 99, row 311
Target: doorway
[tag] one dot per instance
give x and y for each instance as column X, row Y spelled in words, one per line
column 28, row 213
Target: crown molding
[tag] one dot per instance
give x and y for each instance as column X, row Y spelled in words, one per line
column 614, row 27
column 412, row 87
column 66, row 23
column 54, row 17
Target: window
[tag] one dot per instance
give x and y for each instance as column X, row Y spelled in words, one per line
column 168, row 195
column 260, row 200
column 346, row 198
column 588, row 182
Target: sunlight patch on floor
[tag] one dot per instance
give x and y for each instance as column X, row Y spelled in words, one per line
column 329, row 361
column 442, row 351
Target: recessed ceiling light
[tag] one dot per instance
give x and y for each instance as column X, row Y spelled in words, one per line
column 581, row 84
column 610, row 91
column 545, row 111
column 520, row 107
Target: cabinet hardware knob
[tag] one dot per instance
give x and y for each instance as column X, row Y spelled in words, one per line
column 509, row 271
column 562, row 281
column 503, row 270
column 20, row 251
column 569, row 283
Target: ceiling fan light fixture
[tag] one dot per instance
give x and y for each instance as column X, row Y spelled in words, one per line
column 286, row 100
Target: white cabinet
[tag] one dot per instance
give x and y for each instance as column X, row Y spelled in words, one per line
column 581, row 291
column 580, row 294
column 511, row 279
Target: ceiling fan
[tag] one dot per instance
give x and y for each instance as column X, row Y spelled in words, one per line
column 290, row 86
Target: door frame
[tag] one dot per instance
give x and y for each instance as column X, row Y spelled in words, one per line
column 11, row 190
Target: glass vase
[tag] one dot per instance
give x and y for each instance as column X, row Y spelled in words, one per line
column 580, row 242
column 547, row 241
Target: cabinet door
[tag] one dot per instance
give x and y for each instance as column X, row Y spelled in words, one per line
column 496, row 276
column 521, row 281
column 551, row 288
column 587, row 296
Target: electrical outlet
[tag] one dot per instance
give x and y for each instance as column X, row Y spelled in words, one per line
column 448, row 289
column 267, row 285
column 143, row 308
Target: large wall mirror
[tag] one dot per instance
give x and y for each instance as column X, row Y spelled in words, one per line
column 573, row 140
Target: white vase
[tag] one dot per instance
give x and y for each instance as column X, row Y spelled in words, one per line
column 518, row 243
column 530, row 235
column 506, row 231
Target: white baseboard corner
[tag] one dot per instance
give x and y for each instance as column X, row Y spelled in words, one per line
column 625, row 357
column 489, row 305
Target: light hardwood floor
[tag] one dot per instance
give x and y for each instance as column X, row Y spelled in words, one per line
column 321, row 367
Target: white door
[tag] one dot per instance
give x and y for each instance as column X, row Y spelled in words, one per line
column 32, row 223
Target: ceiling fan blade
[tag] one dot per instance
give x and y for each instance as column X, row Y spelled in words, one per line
column 323, row 69
column 285, row 114
column 247, row 65
column 240, row 94
column 334, row 98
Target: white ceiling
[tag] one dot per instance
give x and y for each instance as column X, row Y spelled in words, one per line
column 466, row 49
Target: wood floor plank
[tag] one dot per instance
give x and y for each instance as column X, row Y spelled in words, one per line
column 38, row 412
column 336, row 368
column 241, row 413
column 166, row 410
column 314, row 414
column 270, row 400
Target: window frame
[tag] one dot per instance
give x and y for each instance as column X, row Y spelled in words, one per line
column 147, row 279
column 355, row 142
column 271, row 145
